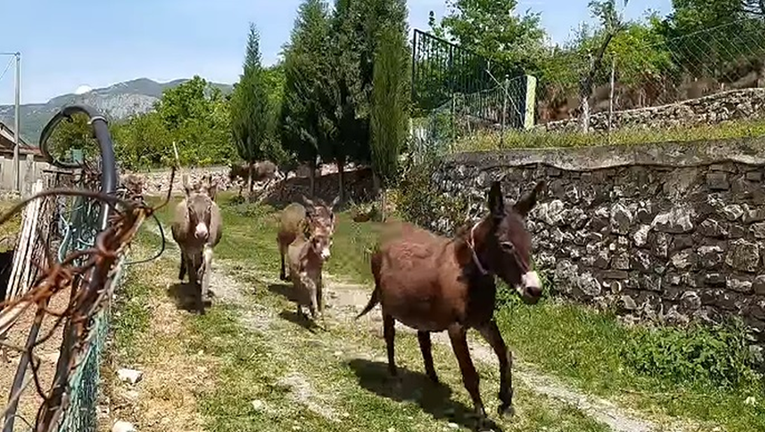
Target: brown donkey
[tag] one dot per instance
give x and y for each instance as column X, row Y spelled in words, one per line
column 293, row 221
column 431, row 283
column 197, row 228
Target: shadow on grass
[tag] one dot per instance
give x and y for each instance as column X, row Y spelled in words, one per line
column 435, row 399
column 287, row 291
column 304, row 322
column 283, row 289
column 184, row 295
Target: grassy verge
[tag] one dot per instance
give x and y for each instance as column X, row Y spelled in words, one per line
column 588, row 348
column 150, row 336
column 490, row 141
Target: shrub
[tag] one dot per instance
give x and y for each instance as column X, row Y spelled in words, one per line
column 717, row 355
column 420, row 201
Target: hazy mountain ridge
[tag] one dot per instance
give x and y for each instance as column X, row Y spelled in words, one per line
column 117, row 101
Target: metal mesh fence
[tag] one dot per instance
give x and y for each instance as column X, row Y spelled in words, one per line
column 80, row 230
column 706, row 84
column 60, row 316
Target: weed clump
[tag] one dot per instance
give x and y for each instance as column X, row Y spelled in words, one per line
column 718, row 355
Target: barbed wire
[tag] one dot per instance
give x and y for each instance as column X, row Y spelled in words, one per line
column 87, row 274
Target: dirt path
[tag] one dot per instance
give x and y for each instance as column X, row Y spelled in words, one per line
column 344, row 300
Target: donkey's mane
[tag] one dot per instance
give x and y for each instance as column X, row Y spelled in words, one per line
column 460, row 237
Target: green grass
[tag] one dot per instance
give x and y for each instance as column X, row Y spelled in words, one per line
column 134, row 318
column 490, row 141
column 586, row 347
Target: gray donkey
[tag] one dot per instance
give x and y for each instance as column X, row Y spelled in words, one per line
column 197, row 228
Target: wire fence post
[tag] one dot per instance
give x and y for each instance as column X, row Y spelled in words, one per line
column 530, row 102
column 504, row 113
column 611, row 100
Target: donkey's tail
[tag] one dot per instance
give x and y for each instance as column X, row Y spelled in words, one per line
column 372, row 303
column 375, row 261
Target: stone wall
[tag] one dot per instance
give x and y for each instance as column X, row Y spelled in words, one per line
column 358, row 183
column 670, row 231
column 708, row 110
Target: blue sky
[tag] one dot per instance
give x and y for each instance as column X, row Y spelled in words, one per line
column 83, row 42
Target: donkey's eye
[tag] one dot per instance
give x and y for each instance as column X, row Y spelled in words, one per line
column 507, row 246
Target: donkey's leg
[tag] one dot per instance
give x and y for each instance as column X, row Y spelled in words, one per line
column 312, row 294
column 182, row 273
column 320, row 294
column 207, row 256
column 195, row 268
column 427, row 355
column 458, row 337
column 389, row 332
column 491, row 333
column 282, row 252
column 320, row 300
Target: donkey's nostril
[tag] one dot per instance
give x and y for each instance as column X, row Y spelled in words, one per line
column 534, row 291
column 201, row 231
column 531, row 284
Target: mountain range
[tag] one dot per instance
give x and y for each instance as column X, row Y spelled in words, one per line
column 117, row 101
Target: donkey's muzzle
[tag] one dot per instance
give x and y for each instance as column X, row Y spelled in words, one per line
column 201, row 232
column 531, row 287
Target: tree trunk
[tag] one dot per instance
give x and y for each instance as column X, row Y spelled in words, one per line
column 383, row 204
column 375, row 185
column 586, row 83
column 341, row 179
column 312, row 177
column 378, row 193
column 250, row 176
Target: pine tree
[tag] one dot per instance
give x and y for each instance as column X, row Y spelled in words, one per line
column 356, row 30
column 304, row 129
column 251, row 117
column 390, row 107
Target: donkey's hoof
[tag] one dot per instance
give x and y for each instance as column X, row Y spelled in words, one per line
column 283, row 278
column 506, row 410
column 485, row 424
column 434, row 378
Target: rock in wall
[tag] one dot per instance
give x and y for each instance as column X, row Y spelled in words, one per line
column 670, row 231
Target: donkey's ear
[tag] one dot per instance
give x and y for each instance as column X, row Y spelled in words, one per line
column 212, row 189
column 307, row 201
column 496, row 201
column 187, row 189
column 334, row 202
column 525, row 204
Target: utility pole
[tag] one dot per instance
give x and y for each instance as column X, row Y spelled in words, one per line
column 16, row 120
column 17, row 126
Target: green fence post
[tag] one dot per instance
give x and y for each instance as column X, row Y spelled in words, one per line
column 531, row 94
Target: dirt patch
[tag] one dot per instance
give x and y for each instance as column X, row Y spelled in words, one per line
column 47, row 352
column 164, row 399
column 301, row 392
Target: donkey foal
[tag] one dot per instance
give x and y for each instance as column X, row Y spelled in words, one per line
column 197, row 228
column 294, row 219
column 306, row 261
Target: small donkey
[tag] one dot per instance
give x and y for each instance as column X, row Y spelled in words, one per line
column 197, row 228
column 306, row 258
column 294, row 219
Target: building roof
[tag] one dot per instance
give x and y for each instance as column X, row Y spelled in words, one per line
column 7, row 142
